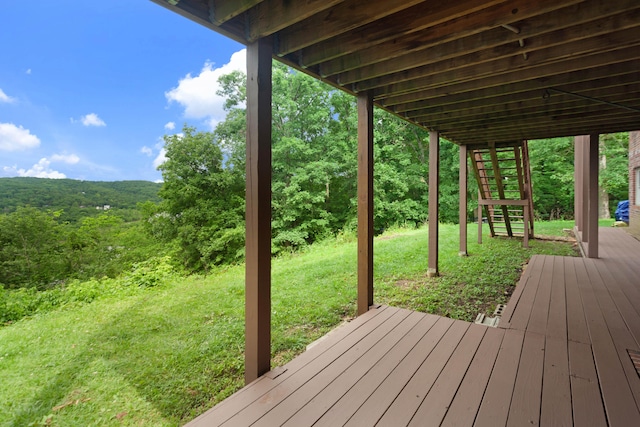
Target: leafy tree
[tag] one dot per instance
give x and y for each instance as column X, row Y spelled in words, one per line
column 552, row 177
column 203, row 198
column 31, row 248
column 614, row 171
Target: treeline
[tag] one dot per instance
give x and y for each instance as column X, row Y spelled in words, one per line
column 199, row 219
column 75, row 199
column 552, row 176
column 39, row 250
column 314, row 169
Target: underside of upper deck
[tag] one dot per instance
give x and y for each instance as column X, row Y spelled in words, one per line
column 473, row 70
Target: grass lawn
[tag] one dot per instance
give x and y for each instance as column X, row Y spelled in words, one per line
column 165, row 355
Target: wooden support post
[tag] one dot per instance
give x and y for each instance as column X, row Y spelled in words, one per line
column 479, row 218
column 585, row 188
column 525, row 239
column 462, row 219
column 593, row 166
column 258, row 212
column 434, row 189
column 365, row 202
column 577, row 164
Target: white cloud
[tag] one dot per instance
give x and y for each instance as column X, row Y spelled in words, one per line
column 92, row 119
column 41, row 169
column 6, row 98
column 28, row 71
column 198, row 94
column 16, row 138
column 71, row 159
column 146, row 151
column 170, row 126
column 160, row 158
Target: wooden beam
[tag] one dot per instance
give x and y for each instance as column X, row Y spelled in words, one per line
column 434, row 202
column 502, row 202
column 546, row 130
column 558, row 69
column 594, row 205
column 462, row 185
column 407, row 28
column 408, row 21
column 567, row 109
column 340, row 19
column 258, row 211
column 572, row 81
column 365, row 202
column 271, row 16
column 534, row 100
column 445, row 38
column 221, row 11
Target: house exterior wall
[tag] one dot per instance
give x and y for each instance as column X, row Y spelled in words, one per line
column 634, row 183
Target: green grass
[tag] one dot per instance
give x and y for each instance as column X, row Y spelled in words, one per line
column 166, row 354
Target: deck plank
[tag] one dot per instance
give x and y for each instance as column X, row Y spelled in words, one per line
column 338, row 341
column 341, row 375
column 556, row 388
column 525, row 401
column 517, row 293
column 436, row 403
column 494, row 408
column 612, row 280
column 577, row 330
column 540, row 311
column 587, row 404
column 413, row 393
column 619, row 330
column 337, row 411
column 370, row 411
column 308, row 410
column 619, row 403
column 467, row 400
column 286, row 388
column 556, row 326
column 520, row 318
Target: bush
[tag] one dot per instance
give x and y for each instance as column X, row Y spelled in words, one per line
column 19, row 303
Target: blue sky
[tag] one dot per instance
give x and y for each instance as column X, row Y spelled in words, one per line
column 88, row 88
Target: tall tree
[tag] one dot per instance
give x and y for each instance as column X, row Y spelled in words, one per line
column 204, row 199
column 614, row 171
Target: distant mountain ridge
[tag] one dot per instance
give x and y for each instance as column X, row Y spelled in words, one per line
column 76, row 198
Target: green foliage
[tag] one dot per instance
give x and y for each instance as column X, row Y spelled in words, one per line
column 203, row 201
column 614, row 167
column 76, row 199
column 552, row 173
column 31, row 248
column 38, row 250
column 315, row 166
column 16, row 304
column 552, row 177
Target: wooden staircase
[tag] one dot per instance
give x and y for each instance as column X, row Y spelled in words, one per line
column 504, row 183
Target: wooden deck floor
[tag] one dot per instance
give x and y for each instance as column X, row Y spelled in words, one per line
column 559, row 357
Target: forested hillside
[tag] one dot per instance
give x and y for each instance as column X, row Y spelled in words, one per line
column 75, row 198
